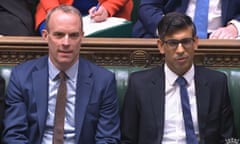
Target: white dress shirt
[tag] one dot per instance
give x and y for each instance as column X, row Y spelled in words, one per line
column 69, row 125
column 214, row 15
column 174, row 129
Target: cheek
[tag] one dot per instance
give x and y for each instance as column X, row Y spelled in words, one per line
column 76, row 46
column 53, row 44
column 52, row 51
column 191, row 52
column 169, row 54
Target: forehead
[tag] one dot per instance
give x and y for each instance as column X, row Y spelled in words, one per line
column 62, row 21
column 180, row 34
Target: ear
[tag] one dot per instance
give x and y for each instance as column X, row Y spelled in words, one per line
column 44, row 34
column 160, row 46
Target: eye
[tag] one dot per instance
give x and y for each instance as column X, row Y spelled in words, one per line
column 187, row 42
column 172, row 42
column 58, row 34
column 74, row 35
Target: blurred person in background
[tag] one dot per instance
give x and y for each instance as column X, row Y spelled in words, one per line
column 223, row 21
column 17, row 17
column 99, row 10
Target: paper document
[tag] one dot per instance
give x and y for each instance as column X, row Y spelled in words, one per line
column 90, row 27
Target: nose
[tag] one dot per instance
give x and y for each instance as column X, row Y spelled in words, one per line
column 180, row 48
column 66, row 39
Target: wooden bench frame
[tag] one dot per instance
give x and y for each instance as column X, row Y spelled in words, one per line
column 121, row 51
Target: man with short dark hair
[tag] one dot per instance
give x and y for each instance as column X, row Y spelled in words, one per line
column 177, row 102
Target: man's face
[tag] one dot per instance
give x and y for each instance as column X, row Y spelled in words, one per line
column 179, row 50
column 64, row 36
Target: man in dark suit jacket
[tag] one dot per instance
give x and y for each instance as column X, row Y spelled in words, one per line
column 152, row 112
column 152, row 11
column 2, row 105
column 92, row 107
column 17, row 17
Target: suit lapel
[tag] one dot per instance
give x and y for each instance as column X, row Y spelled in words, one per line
column 203, row 99
column 157, row 94
column 84, row 89
column 40, row 90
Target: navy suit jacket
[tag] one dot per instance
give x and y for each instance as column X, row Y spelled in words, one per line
column 2, row 97
column 96, row 108
column 152, row 11
column 142, row 117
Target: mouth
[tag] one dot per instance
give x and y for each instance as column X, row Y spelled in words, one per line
column 65, row 53
column 181, row 60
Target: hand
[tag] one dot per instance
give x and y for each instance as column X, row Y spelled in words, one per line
column 228, row 32
column 98, row 15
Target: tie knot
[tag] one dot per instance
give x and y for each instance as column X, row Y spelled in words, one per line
column 181, row 81
column 62, row 75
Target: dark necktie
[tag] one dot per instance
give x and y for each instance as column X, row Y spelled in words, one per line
column 189, row 129
column 201, row 18
column 58, row 131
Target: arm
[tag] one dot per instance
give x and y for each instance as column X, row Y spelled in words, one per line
column 44, row 6
column 231, row 31
column 109, row 8
column 227, row 127
column 49, row 4
column 150, row 13
column 108, row 124
column 15, row 120
column 231, row 21
column 114, row 6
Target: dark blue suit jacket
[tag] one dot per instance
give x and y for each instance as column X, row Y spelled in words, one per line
column 142, row 120
column 152, row 11
column 96, row 109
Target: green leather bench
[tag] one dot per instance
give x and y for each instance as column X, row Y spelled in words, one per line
column 233, row 75
column 122, row 74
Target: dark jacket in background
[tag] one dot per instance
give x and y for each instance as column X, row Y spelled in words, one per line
column 151, row 12
column 17, row 17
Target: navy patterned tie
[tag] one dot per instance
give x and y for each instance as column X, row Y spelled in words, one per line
column 189, row 129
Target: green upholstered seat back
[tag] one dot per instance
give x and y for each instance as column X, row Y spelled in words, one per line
column 134, row 15
column 233, row 75
column 122, row 74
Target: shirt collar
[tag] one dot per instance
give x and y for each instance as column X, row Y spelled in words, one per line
column 71, row 72
column 171, row 76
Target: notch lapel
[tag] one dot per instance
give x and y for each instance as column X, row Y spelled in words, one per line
column 157, row 95
column 40, row 90
column 203, row 100
column 84, row 89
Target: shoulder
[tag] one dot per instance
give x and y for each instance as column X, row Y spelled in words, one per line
column 146, row 74
column 32, row 64
column 210, row 74
column 93, row 68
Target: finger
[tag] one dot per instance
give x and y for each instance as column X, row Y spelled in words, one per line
column 215, row 34
column 91, row 11
column 99, row 18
